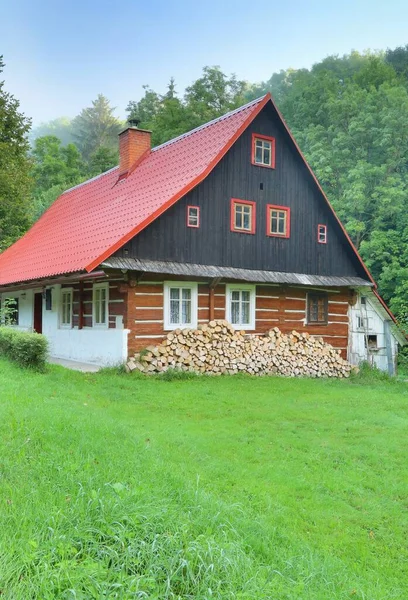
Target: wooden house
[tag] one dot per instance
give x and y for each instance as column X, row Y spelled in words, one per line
column 225, row 221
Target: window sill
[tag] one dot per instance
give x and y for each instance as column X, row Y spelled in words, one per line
column 263, row 166
column 248, row 327
column 168, row 327
column 243, row 231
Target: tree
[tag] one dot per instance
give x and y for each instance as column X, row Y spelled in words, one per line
column 96, row 127
column 102, row 160
column 15, row 181
column 214, row 94
column 55, row 168
column 60, row 128
column 146, row 109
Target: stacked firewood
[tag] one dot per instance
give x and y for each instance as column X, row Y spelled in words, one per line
column 216, row 348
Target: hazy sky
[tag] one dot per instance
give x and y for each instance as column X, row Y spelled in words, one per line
column 60, row 54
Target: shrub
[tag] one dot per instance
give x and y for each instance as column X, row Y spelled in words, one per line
column 26, row 349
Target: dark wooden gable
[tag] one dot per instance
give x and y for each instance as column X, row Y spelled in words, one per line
column 290, row 184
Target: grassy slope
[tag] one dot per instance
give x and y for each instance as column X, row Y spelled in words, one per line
column 118, row 487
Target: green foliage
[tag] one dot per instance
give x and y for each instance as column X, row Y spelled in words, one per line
column 96, row 127
column 60, row 128
column 55, row 169
column 29, row 350
column 15, row 182
column 230, row 488
column 102, row 160
column 208, row 97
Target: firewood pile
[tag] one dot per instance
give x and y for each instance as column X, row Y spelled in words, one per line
column 216, row 348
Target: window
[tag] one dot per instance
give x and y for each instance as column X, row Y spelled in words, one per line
column 263, row 151
column 242, row 216
column 66, row 308
column 240, row 307
column 278, row 221
column 100, row 305
column 371, row 342
column 322, row 234
column 362, row 322
column 180, row 305
column 317, row 309
column 11, row 311
column 193, row 216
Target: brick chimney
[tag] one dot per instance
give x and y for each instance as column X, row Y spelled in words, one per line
column 134, row 143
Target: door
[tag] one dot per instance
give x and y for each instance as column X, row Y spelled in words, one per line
column 38, row 312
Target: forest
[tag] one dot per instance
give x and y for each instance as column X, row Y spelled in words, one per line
column 348, row 114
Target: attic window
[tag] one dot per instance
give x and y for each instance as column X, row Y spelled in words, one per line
column 322, row 234
column 278, row 221
column 193, row 216
column 263, row 151
column 242, row 216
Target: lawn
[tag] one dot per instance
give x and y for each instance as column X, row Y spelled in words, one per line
column 114, row 486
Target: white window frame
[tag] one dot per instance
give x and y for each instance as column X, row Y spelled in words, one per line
column 194, row 217
column 168, row 326
column 322, row 233
column 64, row 292
column 252, row 305
column 99, row 286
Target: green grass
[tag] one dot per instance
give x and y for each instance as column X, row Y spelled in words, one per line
column 114, row 486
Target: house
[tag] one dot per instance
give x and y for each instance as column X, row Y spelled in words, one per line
column 225, row 221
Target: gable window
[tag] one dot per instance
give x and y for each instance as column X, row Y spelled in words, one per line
column 317, row 309
column 100, row 301
column 278, row 221
column 322, row 234
column 193, row 216
column 263, row 151
column 240, row 307
column 11, row 311
column 242, row 216
column 66, row 308
column 180, row 305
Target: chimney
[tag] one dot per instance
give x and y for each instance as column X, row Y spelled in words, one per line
column 134, row 143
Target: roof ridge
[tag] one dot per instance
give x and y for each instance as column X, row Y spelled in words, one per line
column 208, row 123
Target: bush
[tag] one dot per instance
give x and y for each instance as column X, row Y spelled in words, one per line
column 26, row 349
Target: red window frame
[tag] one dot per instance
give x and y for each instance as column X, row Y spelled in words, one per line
column 257, row 136
column 322, row 229
column 286, row 209
column 234, row 202
column 198, row 217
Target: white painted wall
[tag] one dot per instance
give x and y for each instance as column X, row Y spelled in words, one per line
column 373, row 318
column 101, row 346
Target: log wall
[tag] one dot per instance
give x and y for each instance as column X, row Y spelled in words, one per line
column 281, row 306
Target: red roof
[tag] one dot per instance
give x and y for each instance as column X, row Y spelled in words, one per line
column 89, row 222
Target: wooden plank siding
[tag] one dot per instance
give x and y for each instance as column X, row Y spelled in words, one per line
column 280, row 306
column 289, row 184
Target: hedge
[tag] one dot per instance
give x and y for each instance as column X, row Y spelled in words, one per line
column 26, row 349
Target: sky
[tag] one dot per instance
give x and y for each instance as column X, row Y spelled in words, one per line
column 60, row 54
